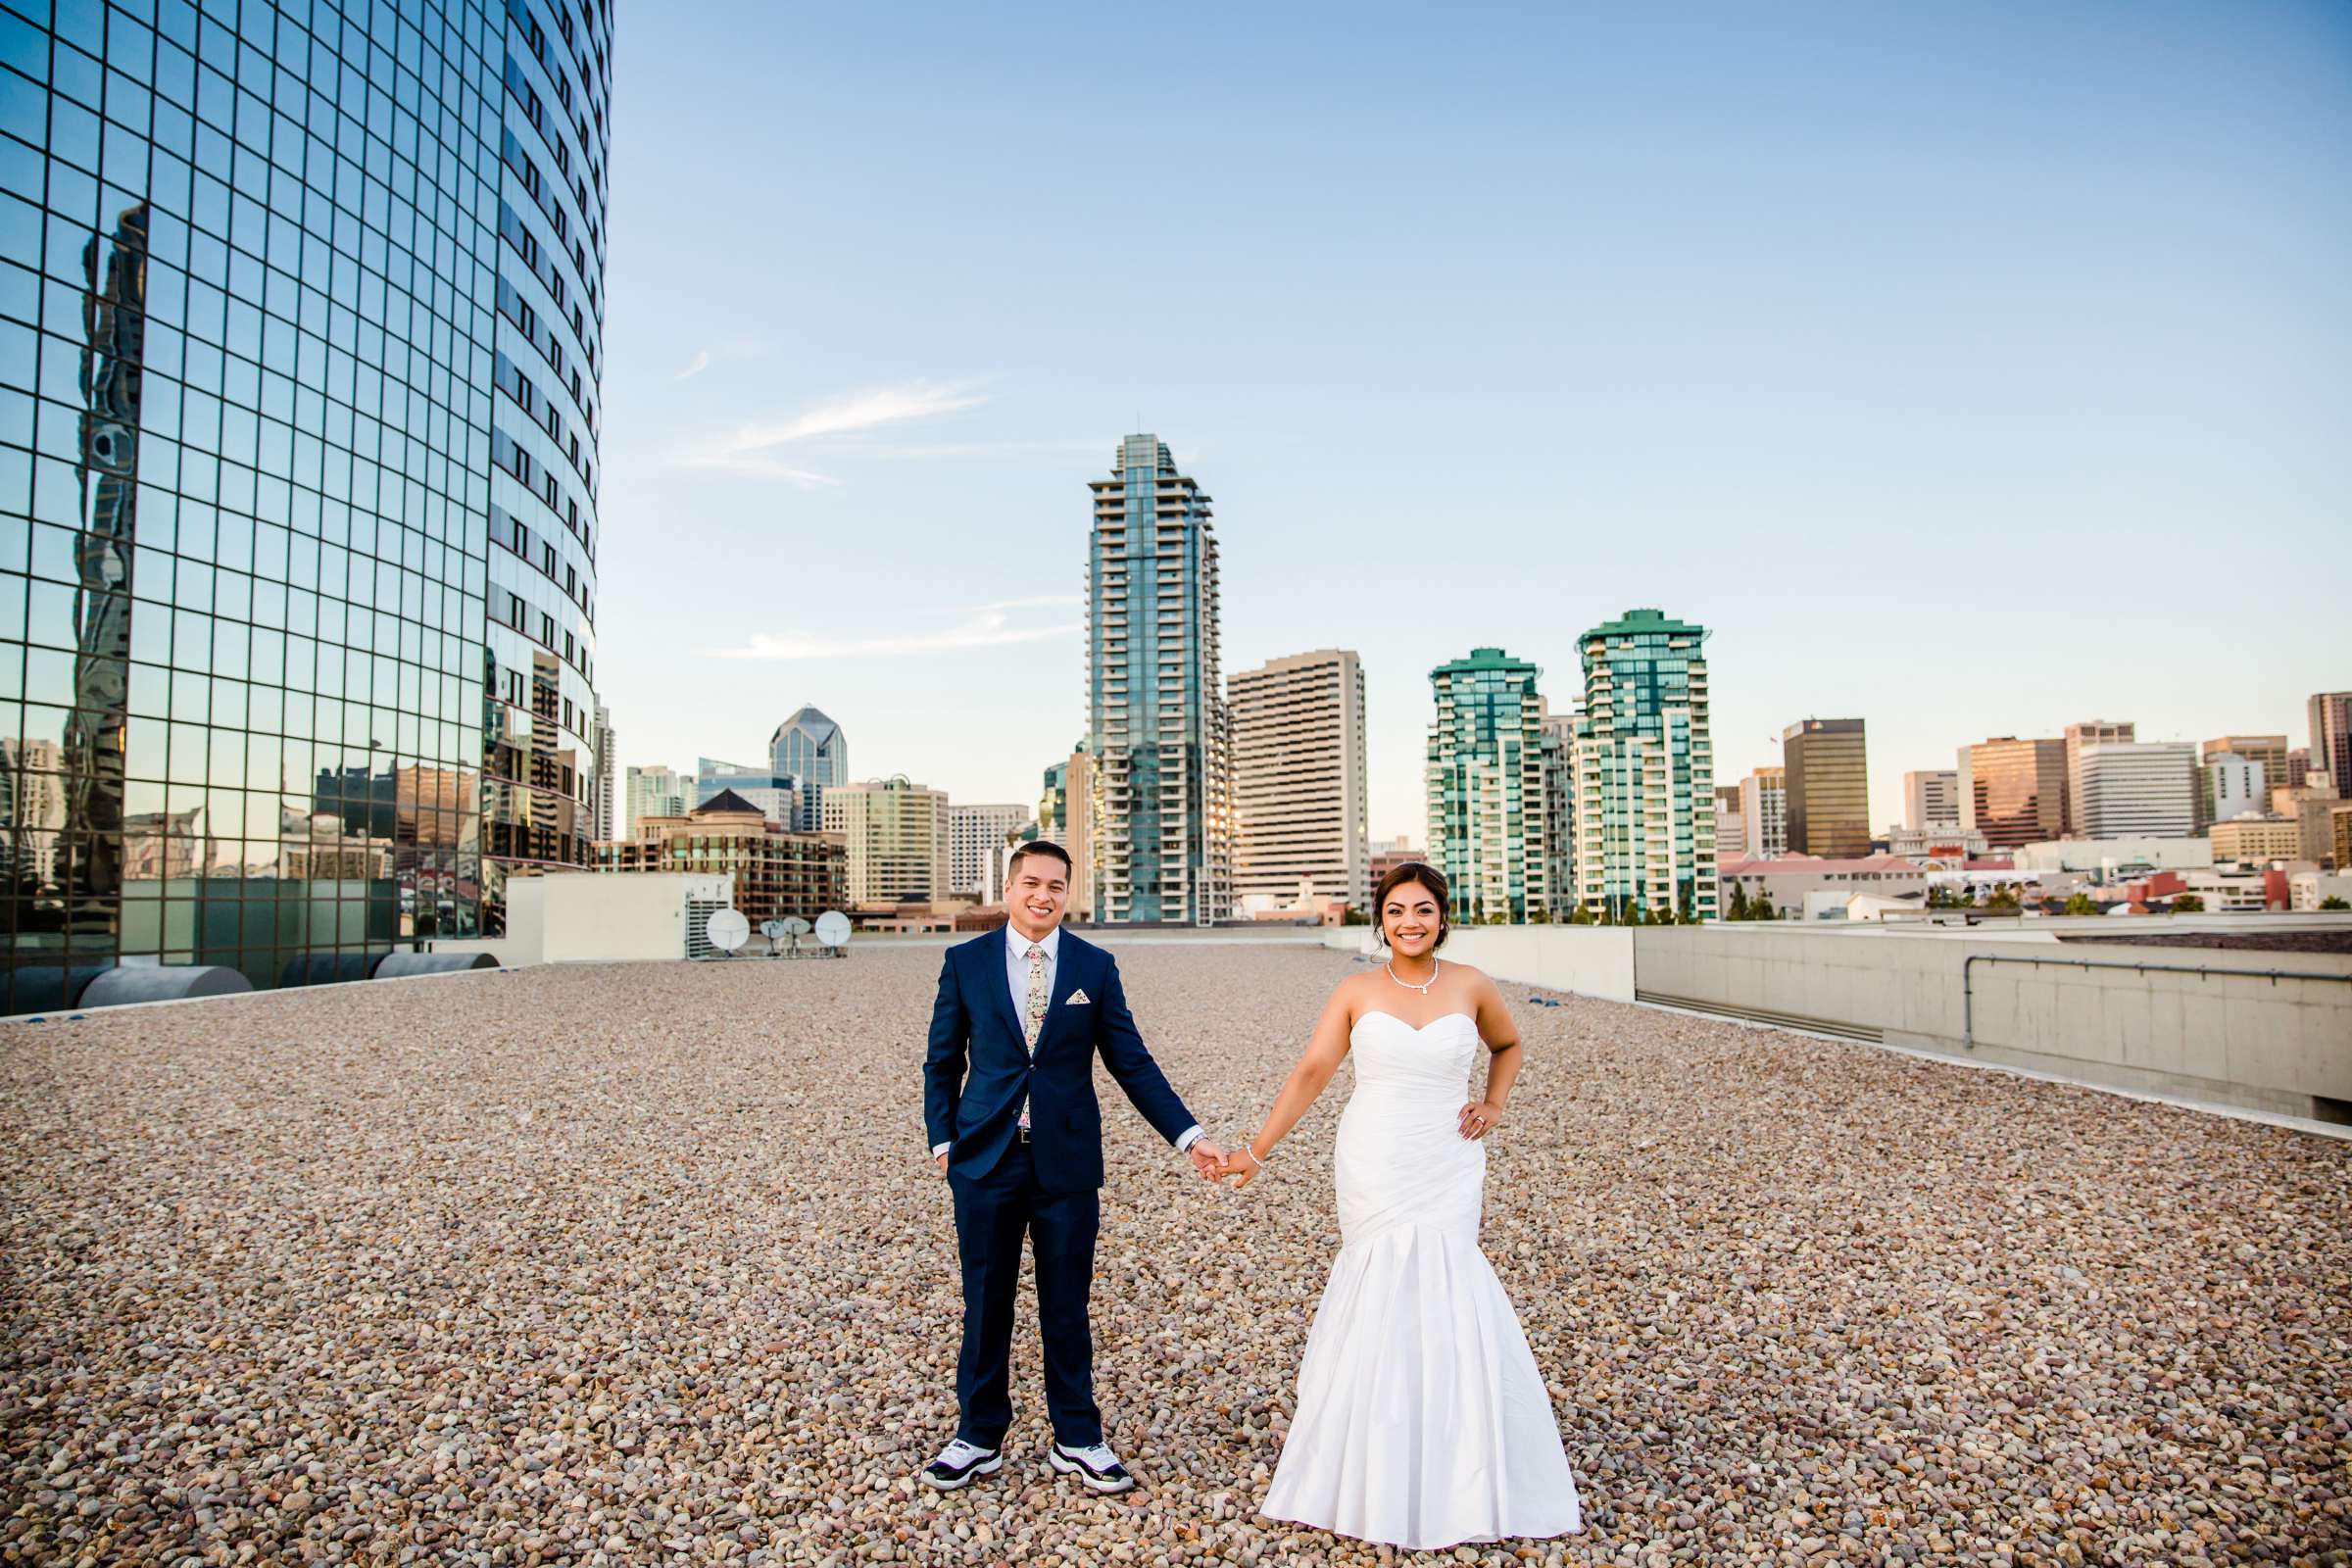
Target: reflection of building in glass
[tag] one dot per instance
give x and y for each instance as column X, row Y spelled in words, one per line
column 302, row 501
column 2014, row 791
column 1158, row 729
column 160, row 846
column 32, row 803
column 777, row 875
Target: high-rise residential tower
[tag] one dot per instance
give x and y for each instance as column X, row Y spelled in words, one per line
column 1829, row 787
column 1299, row 779
column 2138, row 789
column 1932, row 798
column 1559, row 808
column 1158, row 726
column 607, row 782
column 1486, row 788
column 897, row 838
column 655, row 792
column 1645, row 770
column 2013, row 791
column 317, row 304
column 2088, row 732
column 1063, row 813
column 2331, row 740
column 976, row 838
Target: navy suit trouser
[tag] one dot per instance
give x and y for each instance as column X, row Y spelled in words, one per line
column 992, row 1213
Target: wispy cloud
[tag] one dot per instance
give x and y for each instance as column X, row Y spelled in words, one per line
column 754, row 448
column 729, row 352
column 983, row 626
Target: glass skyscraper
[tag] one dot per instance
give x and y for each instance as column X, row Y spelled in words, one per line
column 300, row 323
column 1157, row 726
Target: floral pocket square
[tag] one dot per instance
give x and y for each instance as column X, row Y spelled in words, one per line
column 1078, row 999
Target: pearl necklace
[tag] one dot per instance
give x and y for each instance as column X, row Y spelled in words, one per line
column 1390, row 966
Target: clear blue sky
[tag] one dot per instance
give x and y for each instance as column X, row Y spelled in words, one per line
column 1969, row 369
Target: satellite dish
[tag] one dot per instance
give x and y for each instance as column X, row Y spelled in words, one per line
column 795, row 926
column 833, row 929
column 771, row 929
column 727, row 929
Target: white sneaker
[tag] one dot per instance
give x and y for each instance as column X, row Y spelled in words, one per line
column 958, row 1463
column 1096, row 1468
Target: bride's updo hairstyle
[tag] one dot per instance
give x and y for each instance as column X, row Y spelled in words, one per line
column 1410, row 873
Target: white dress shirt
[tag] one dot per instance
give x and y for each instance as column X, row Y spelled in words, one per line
column 1017, row 985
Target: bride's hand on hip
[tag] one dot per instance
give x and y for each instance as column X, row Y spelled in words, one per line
column 1479, row 1117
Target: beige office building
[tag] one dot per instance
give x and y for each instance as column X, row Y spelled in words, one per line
column 1763, row 813
column 2256, row 840
column 2309, row 806
column 895, row 834
column 1932, row 798
column 1298, row 780
column 2088, row 732
column 1828, row 773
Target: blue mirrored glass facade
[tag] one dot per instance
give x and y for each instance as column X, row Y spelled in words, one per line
column 301, row 317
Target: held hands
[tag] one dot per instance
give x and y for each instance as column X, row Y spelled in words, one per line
column 1479, row 1118
column 1208, row 1158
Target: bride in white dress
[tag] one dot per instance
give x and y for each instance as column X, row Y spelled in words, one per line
column 1422, row 1420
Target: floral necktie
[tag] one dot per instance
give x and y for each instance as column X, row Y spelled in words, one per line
column 1036, row 1020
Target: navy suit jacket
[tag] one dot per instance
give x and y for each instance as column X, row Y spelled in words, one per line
column 978, row 1066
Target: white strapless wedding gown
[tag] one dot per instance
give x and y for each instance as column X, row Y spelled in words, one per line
column 1422, row 1420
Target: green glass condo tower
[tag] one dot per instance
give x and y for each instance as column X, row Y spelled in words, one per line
column 1645, row 772
column 1487, row 822
column 301, row 338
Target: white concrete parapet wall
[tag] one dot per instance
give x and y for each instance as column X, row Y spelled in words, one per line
column 2240, row 1032
column 1590, row 960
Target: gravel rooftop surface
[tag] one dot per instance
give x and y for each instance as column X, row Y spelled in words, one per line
column 643, row 1263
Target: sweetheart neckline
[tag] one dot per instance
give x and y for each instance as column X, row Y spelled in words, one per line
column 1417, row 1028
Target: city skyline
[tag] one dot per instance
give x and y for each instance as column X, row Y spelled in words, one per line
column 1979, row 335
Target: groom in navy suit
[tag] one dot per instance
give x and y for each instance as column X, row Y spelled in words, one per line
column 1009, row 1101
